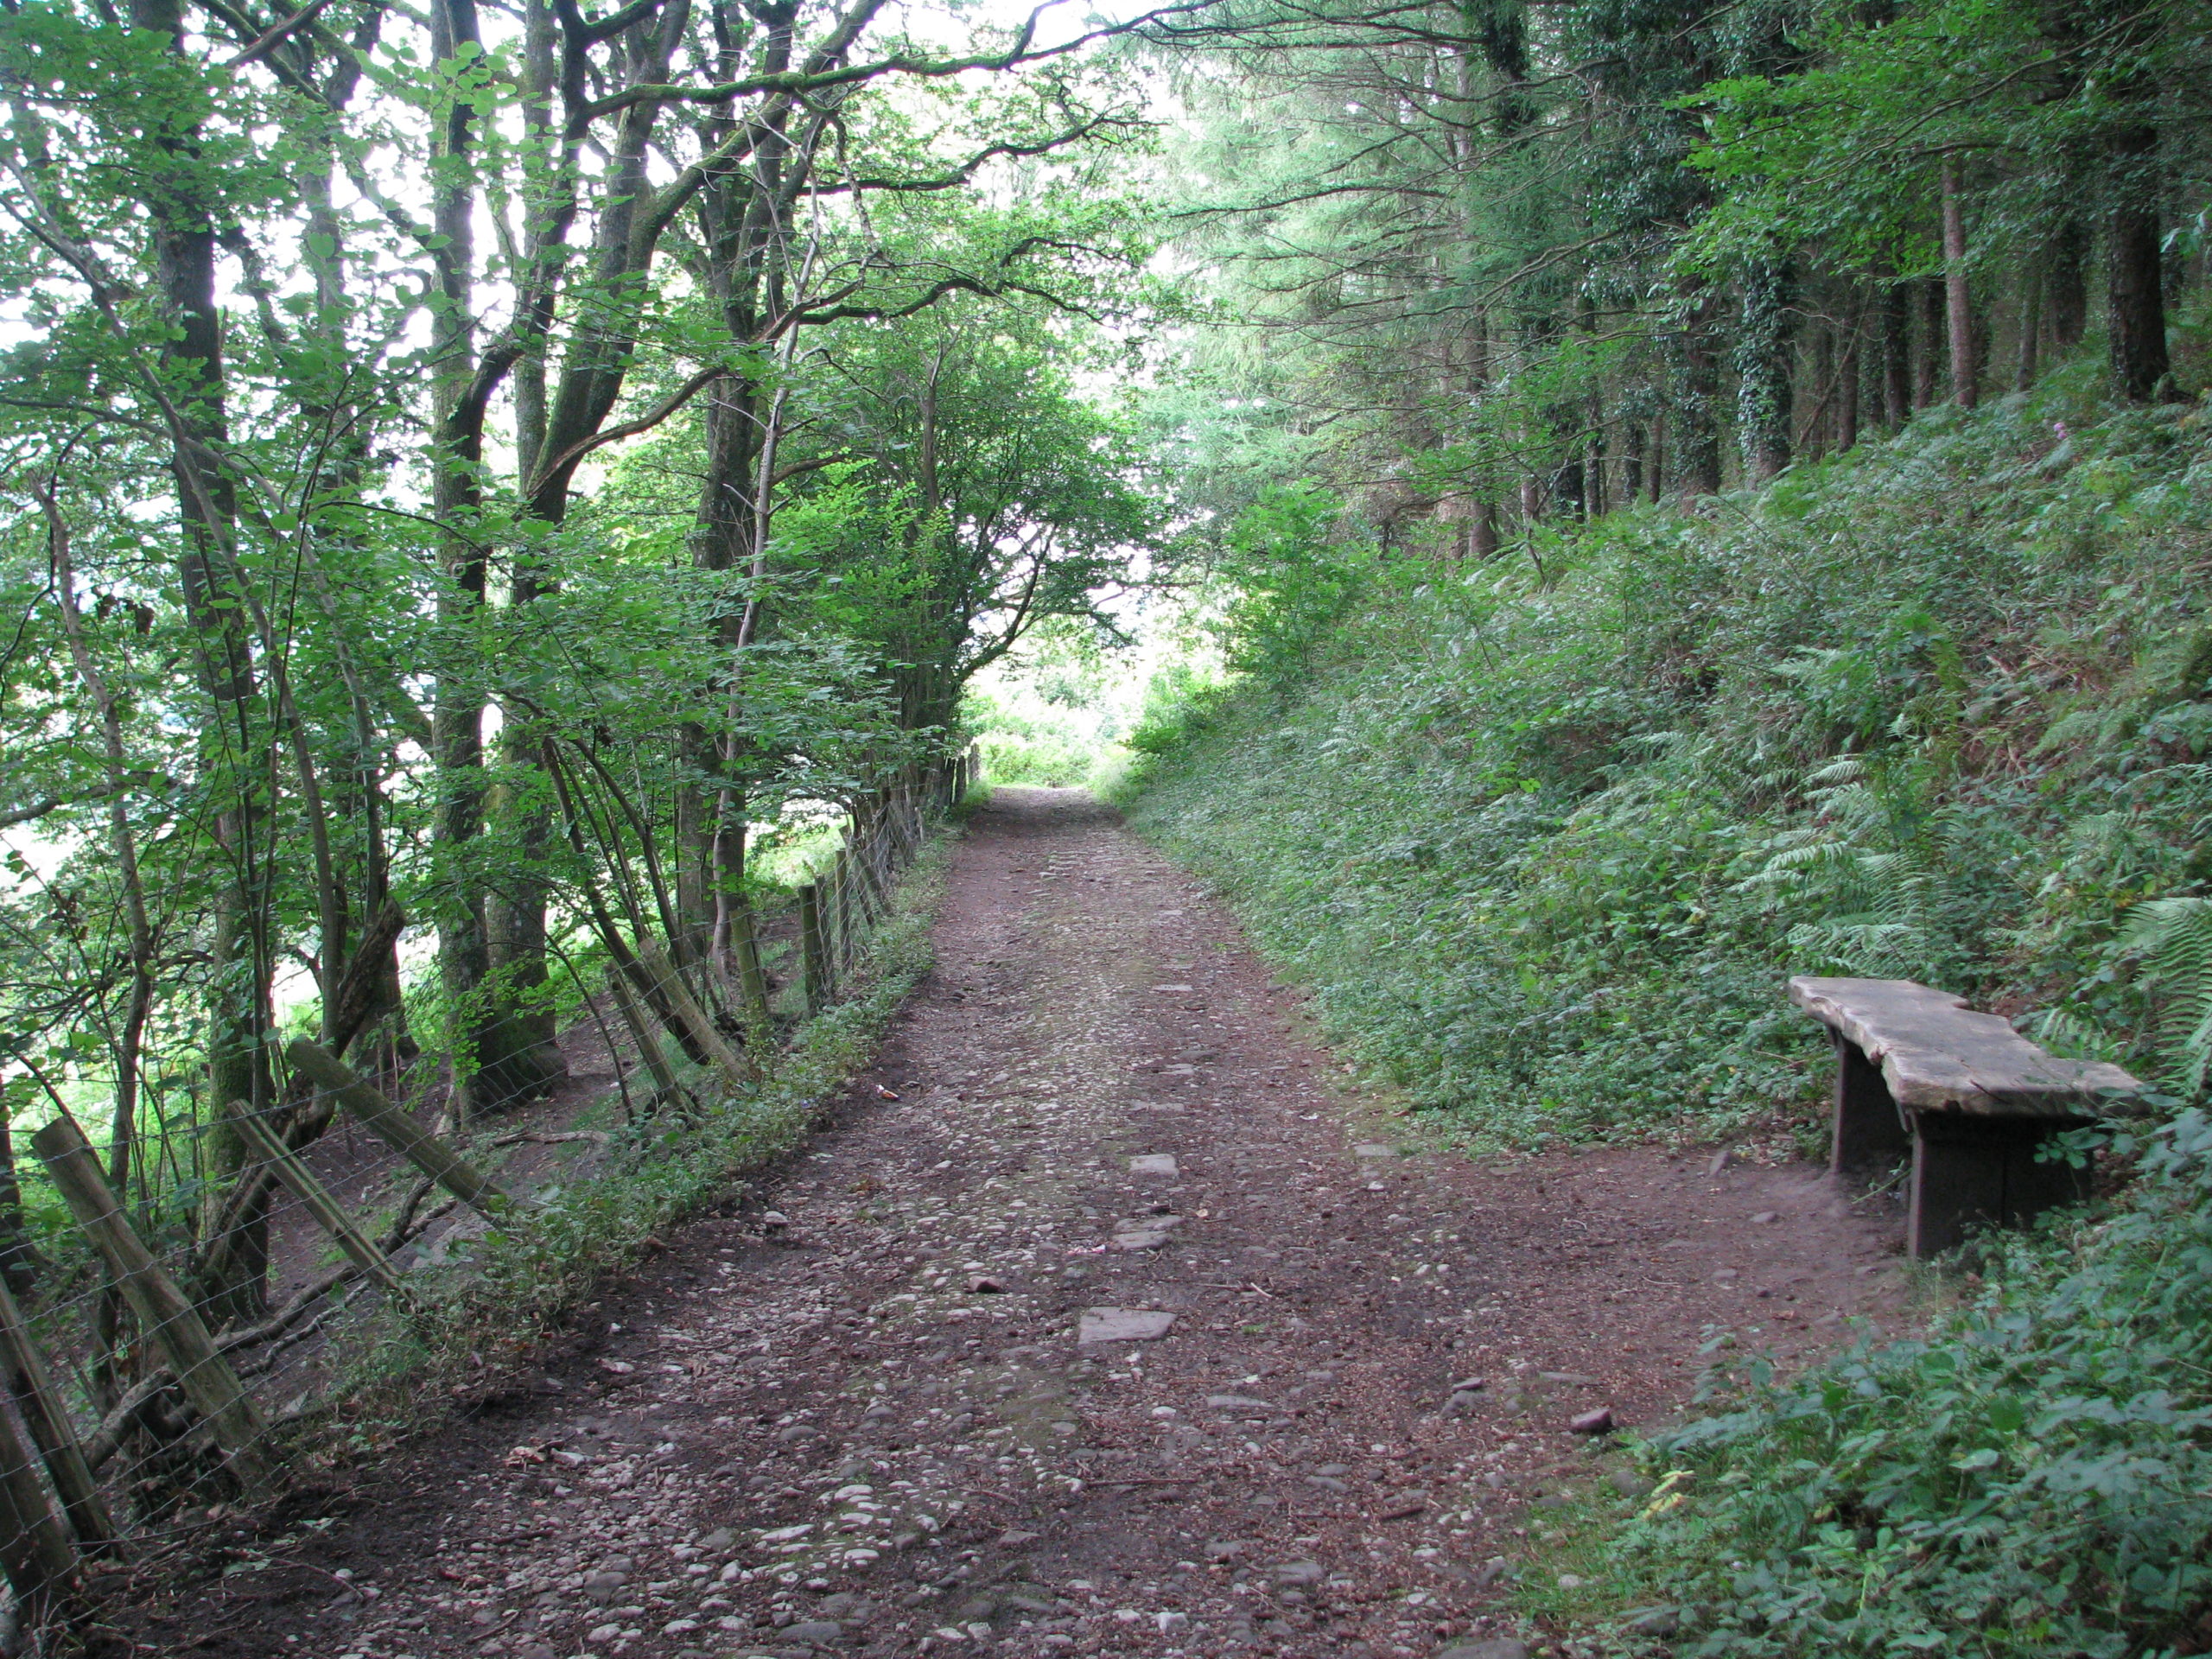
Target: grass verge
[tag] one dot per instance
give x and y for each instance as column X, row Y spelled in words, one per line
column 485, row 1312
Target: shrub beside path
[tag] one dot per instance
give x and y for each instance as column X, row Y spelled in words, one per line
column 1328, row 1391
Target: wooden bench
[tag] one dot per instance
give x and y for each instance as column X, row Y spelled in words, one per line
column 1970, row 1098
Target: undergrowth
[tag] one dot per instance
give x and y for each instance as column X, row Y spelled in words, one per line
column 1545, row 836
column 2033, row 1476
column 496, row 1299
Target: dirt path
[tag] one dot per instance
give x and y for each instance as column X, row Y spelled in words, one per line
column 864, row 1422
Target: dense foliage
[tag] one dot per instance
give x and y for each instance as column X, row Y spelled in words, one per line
column 2028, row 1478
column 1490, row 265
column 1546, row 837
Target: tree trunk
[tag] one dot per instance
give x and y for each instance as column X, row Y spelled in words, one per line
column 1482, row 532
column 1762, row 369
column 1848, row 372
column 456, row 495
column 1826, row 390
column 2066, row 276
column 1897, row 356
column 2135, row 299
column 1958, row 294
column 20, row 1260
column 1927, row 340
column 1695, row 421
column 2024, row 364
column 593, row 372
column 181, row 204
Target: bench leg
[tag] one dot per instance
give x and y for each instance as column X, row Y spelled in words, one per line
column 1969, row 1172
column 1870, row 1131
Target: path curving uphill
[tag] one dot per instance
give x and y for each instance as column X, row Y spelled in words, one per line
column 1123, row 1329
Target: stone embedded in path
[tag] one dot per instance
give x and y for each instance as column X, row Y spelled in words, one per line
column 1153, row 1163
column 1496, row 1648
column 1139, row 1238
column 1122, row 1325
column 1166, row 990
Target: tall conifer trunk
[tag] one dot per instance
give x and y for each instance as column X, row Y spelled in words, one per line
column 2135, row 276
column 2066, row 284
column 1897, row 356
column 1958, row 294
column 1762, row 368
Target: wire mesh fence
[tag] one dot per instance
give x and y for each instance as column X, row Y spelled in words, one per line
column 158, row 1365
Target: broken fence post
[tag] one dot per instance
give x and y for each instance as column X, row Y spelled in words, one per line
column 170, row 1322
column 35, row 1552
column 300, row 1181
column 735, row 1066
column 398, row 1130
column 46, row 1414
column 641, row 1033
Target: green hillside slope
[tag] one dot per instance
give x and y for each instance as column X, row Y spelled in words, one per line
column 1545, row 836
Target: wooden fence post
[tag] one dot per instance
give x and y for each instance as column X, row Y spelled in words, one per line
column 398, row 1130
column 860, row 862
column 46, row 1414
column 735, row 1066
column 285, row 1165
column 168, row 1321
column 811, row 949
column 752, row 979
column 844, row 935
column 641, row 1033
column 35, row 1548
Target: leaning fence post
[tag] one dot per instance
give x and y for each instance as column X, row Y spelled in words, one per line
column 815, row 955
column 46, row 1415
column 736, row 1067
column 35, row 1548
column 641, row 1033
column 169, row 1321
column 395, row 1130
column 300, row 1181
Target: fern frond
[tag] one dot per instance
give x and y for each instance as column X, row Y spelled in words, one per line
column 2174, row 938
column 1844, row 769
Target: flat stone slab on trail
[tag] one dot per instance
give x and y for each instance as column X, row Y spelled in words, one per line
column 1122, row 1325
column 1153, row 1163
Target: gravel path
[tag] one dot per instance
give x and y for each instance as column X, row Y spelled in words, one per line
column 1123, row 1328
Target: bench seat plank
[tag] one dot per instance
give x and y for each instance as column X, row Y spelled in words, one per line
column 1937, row 1055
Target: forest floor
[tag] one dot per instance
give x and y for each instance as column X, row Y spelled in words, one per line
column 896, row 1400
